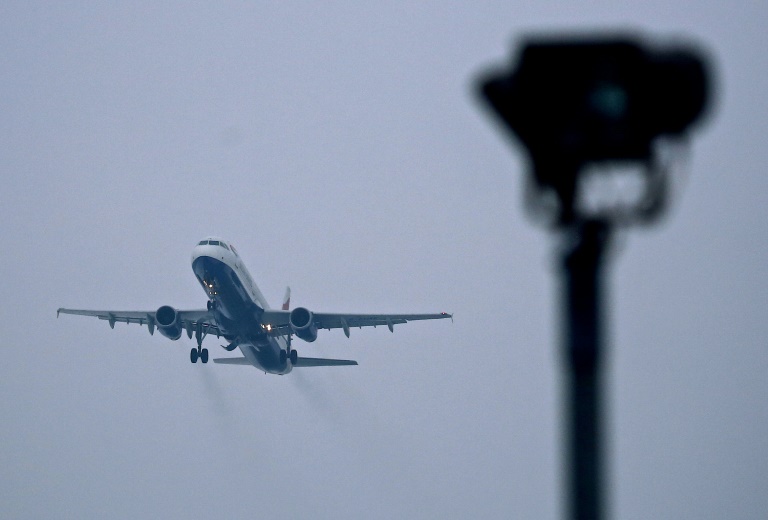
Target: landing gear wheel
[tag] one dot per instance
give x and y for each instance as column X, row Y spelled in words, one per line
column 204, row 355
column 193, row 355
column 294, row 357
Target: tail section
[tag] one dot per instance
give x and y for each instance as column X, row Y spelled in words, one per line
column 318, row 362
column 287, row 299
column 233, row 361
column 300, row 362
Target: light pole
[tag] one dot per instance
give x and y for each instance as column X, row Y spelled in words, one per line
column 574, row 103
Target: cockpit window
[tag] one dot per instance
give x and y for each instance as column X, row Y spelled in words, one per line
column 215, row 243
column 233, row 249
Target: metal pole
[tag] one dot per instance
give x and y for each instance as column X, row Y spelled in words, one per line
column 582, row 263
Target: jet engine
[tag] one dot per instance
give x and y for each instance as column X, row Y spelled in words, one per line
column 168, row 322
column 303, row 324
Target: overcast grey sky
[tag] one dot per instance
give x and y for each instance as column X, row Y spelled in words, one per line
column 340, row 148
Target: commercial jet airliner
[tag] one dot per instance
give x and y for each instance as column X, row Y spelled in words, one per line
column 238, row 312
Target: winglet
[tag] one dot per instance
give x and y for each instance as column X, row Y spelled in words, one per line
column 57, row 312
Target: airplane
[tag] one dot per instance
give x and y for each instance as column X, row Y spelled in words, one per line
column 238, row 312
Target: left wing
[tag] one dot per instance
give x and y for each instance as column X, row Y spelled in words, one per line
column 189, row 319
column 277, row 321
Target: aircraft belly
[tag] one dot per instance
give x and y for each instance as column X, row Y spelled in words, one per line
column 231, row 296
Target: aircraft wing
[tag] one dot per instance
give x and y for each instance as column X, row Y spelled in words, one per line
column 277, row 321
column 189, row 319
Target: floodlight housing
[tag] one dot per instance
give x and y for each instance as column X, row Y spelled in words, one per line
column 572, row 102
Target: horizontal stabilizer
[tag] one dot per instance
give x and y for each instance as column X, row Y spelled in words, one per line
column 232, row 361
column 318, row 362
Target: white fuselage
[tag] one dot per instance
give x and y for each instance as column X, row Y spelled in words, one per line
column 237, row 304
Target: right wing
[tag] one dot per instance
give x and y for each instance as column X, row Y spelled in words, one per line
column 277, row 321
column 189, row 319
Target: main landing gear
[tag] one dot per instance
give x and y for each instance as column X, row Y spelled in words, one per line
column 199, row 352
column 289, row 352
column 284, row 356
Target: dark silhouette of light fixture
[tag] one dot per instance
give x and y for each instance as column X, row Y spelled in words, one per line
column 575, row 103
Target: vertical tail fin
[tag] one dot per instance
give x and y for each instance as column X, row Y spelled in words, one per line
column 287, row 299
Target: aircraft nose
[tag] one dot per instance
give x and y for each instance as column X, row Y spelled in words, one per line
column 202, row 265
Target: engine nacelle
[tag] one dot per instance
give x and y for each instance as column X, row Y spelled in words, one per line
column 168, row 322
column 303, row 324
